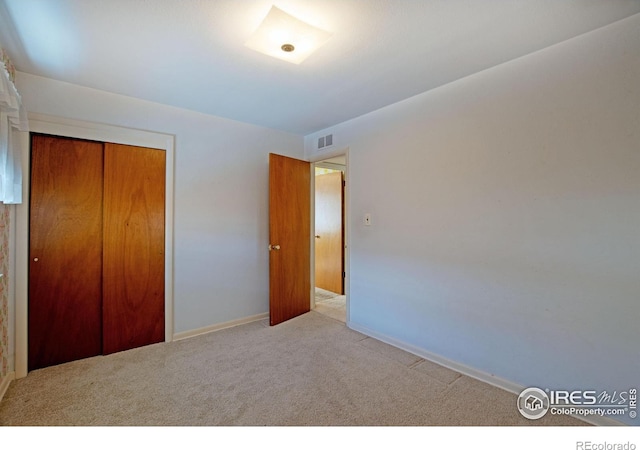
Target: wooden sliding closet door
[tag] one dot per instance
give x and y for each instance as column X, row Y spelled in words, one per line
column 96, row 272
column 133, row 272
column 65, row 251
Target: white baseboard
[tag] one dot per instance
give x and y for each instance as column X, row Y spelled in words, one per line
column 472, row 372
column 6, row 381
column 219, row 326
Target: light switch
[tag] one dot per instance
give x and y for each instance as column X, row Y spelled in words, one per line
column 367, row 219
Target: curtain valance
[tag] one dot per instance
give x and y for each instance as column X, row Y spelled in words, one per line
column 13, row 117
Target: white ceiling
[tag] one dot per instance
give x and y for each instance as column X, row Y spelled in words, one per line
column 191, row 53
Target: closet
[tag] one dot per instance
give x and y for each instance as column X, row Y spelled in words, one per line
column 96, row 249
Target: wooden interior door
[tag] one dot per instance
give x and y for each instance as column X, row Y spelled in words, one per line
column 329, row 243
column 289, row 237
column 65, row 251
column 133, row 274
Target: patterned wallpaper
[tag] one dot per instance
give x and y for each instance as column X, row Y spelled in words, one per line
column 4, row 300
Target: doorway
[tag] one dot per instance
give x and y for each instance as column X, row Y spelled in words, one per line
column 330, row 237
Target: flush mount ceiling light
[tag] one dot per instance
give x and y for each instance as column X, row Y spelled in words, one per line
column 285, row 37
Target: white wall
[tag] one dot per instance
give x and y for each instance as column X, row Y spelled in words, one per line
column 505, row 210
column 221, row 195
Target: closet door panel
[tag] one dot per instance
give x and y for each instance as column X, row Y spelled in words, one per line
column 65, row 249
column 133, row 261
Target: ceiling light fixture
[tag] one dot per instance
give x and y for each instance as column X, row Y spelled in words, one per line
column 285, row 37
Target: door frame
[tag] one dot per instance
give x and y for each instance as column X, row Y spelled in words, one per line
column 318, row 158
column 58, row 126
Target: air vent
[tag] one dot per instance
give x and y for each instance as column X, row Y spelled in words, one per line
column 325, row 141
column 328, row 140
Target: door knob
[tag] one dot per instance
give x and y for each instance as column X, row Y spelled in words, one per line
column 35, row 259
column 317, row 236
column 274, row 247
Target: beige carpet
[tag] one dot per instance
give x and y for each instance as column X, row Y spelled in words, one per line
column 311, row 370
column 331, row 304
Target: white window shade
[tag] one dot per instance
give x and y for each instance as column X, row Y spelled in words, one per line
column 13, row 117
